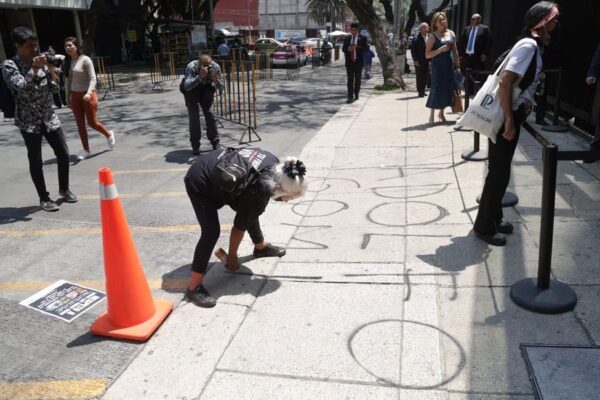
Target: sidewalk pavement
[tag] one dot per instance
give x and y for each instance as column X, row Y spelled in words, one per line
column 384, row 292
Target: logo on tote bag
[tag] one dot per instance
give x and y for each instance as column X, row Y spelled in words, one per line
column 487, row 100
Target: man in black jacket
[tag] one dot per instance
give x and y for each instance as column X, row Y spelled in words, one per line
column 421, row 62
column 474, row 46
column 354, row 47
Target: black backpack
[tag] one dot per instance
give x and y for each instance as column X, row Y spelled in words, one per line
column 7, row 100
column 529, row 74
column 234, row 172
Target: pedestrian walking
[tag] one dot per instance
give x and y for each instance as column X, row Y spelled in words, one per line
column 417, row 51
column 80, row 82
column 474, row 47
column 268, row 179
column 524, row 63
column 202, row 78
column 58, row 60
column 369, row 55
column 353, row 49
column 32, row 81
column 441, row 49
column 592, row 79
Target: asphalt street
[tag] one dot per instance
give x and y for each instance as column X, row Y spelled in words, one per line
column 152, row 154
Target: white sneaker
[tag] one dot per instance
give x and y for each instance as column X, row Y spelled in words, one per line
column 111, row 140
column 83, row 155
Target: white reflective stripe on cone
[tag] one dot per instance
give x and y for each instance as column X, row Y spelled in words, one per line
column 108, row 192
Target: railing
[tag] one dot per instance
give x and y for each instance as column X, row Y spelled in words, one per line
column 237, row 102
column 105, row 80
column 164, row 69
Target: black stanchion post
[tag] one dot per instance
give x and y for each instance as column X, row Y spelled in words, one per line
column 543, row 295
column 556, row 125
column 476, row 154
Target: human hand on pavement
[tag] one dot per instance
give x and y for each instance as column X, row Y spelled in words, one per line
column 232, row 263
column 87, row 97
column 203, row 72
column 39, row 62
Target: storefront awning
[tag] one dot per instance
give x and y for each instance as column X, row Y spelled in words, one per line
column 54, row 4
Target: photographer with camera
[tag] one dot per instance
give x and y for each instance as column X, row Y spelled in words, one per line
column 57, row 60
column 32, row 81
column 202, row 78
column 80, row 80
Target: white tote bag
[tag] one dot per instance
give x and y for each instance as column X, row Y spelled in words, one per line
column 485, row 114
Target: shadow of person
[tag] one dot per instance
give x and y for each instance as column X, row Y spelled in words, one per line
column 221, row 282
column 10, row 215
column 420, row 127
column 464, row 251
column 182, row 156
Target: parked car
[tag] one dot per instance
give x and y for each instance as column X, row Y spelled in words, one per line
column 289, row 56
column 311, row 42
column 267, row 45
column 296, row 41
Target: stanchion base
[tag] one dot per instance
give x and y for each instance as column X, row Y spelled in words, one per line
column 556, row 128
column 557, row 299
column 509, row 200
column 472, row 155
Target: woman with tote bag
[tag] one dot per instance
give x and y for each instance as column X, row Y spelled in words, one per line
column 540, row 21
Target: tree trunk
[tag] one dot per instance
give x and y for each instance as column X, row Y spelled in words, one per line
column 416, row 11
column 364, row 11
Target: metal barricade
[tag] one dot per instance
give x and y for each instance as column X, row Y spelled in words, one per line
column 164, row 69
column 236, row 103
column 105, row 80
column 476, row 154
column 263, row 67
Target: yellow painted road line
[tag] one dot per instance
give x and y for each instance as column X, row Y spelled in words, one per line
column 135, row 195
column 42, row 390
column 98, row 230
column 34, row 286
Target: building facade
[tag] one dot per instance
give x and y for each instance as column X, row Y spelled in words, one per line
column 285, row 15
column 237, row 15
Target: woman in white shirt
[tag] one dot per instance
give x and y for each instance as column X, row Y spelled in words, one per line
column 524, row 70
column 80, row 82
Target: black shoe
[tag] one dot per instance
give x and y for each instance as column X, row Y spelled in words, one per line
column 49, row 205
column 356, row 98
column 269, row 251
column 68, row 196
column 496, row 239
column 196, row 152
column 505, row 228
column 350, row 100
column 200, row 297
column 215, row 145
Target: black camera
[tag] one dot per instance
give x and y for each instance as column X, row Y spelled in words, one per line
column 52, row 59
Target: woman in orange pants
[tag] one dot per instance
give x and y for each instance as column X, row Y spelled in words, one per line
column 80, row 81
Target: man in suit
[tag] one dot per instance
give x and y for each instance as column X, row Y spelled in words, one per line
column 421, row 62
column 593, row 78
column 353, row 48
column 474, row 46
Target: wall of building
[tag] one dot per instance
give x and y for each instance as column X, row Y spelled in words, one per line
column 237, row 13
column 284, row 14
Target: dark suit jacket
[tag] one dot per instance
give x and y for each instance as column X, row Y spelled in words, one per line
column 483, row 41
column 595, row 67
column 360, row 49
column 417, row 49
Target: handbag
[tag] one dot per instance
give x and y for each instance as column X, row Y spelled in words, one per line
column 485, row 114
column 457, row 105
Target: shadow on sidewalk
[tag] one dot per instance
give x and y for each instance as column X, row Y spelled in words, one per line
column 455, row 257
column 10, row 215
column 221, row 282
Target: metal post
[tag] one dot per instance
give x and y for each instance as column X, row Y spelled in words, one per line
column 476, row 154
column 544, row 295
column 556, row 125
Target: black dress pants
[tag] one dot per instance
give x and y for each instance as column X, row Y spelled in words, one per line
column 499, row 162
column 206, row 211
column 422, row 73
column 56, row 139
column 201, row 97
column 354, row 73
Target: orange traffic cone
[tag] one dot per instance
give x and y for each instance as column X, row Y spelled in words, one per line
column 132, row 313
